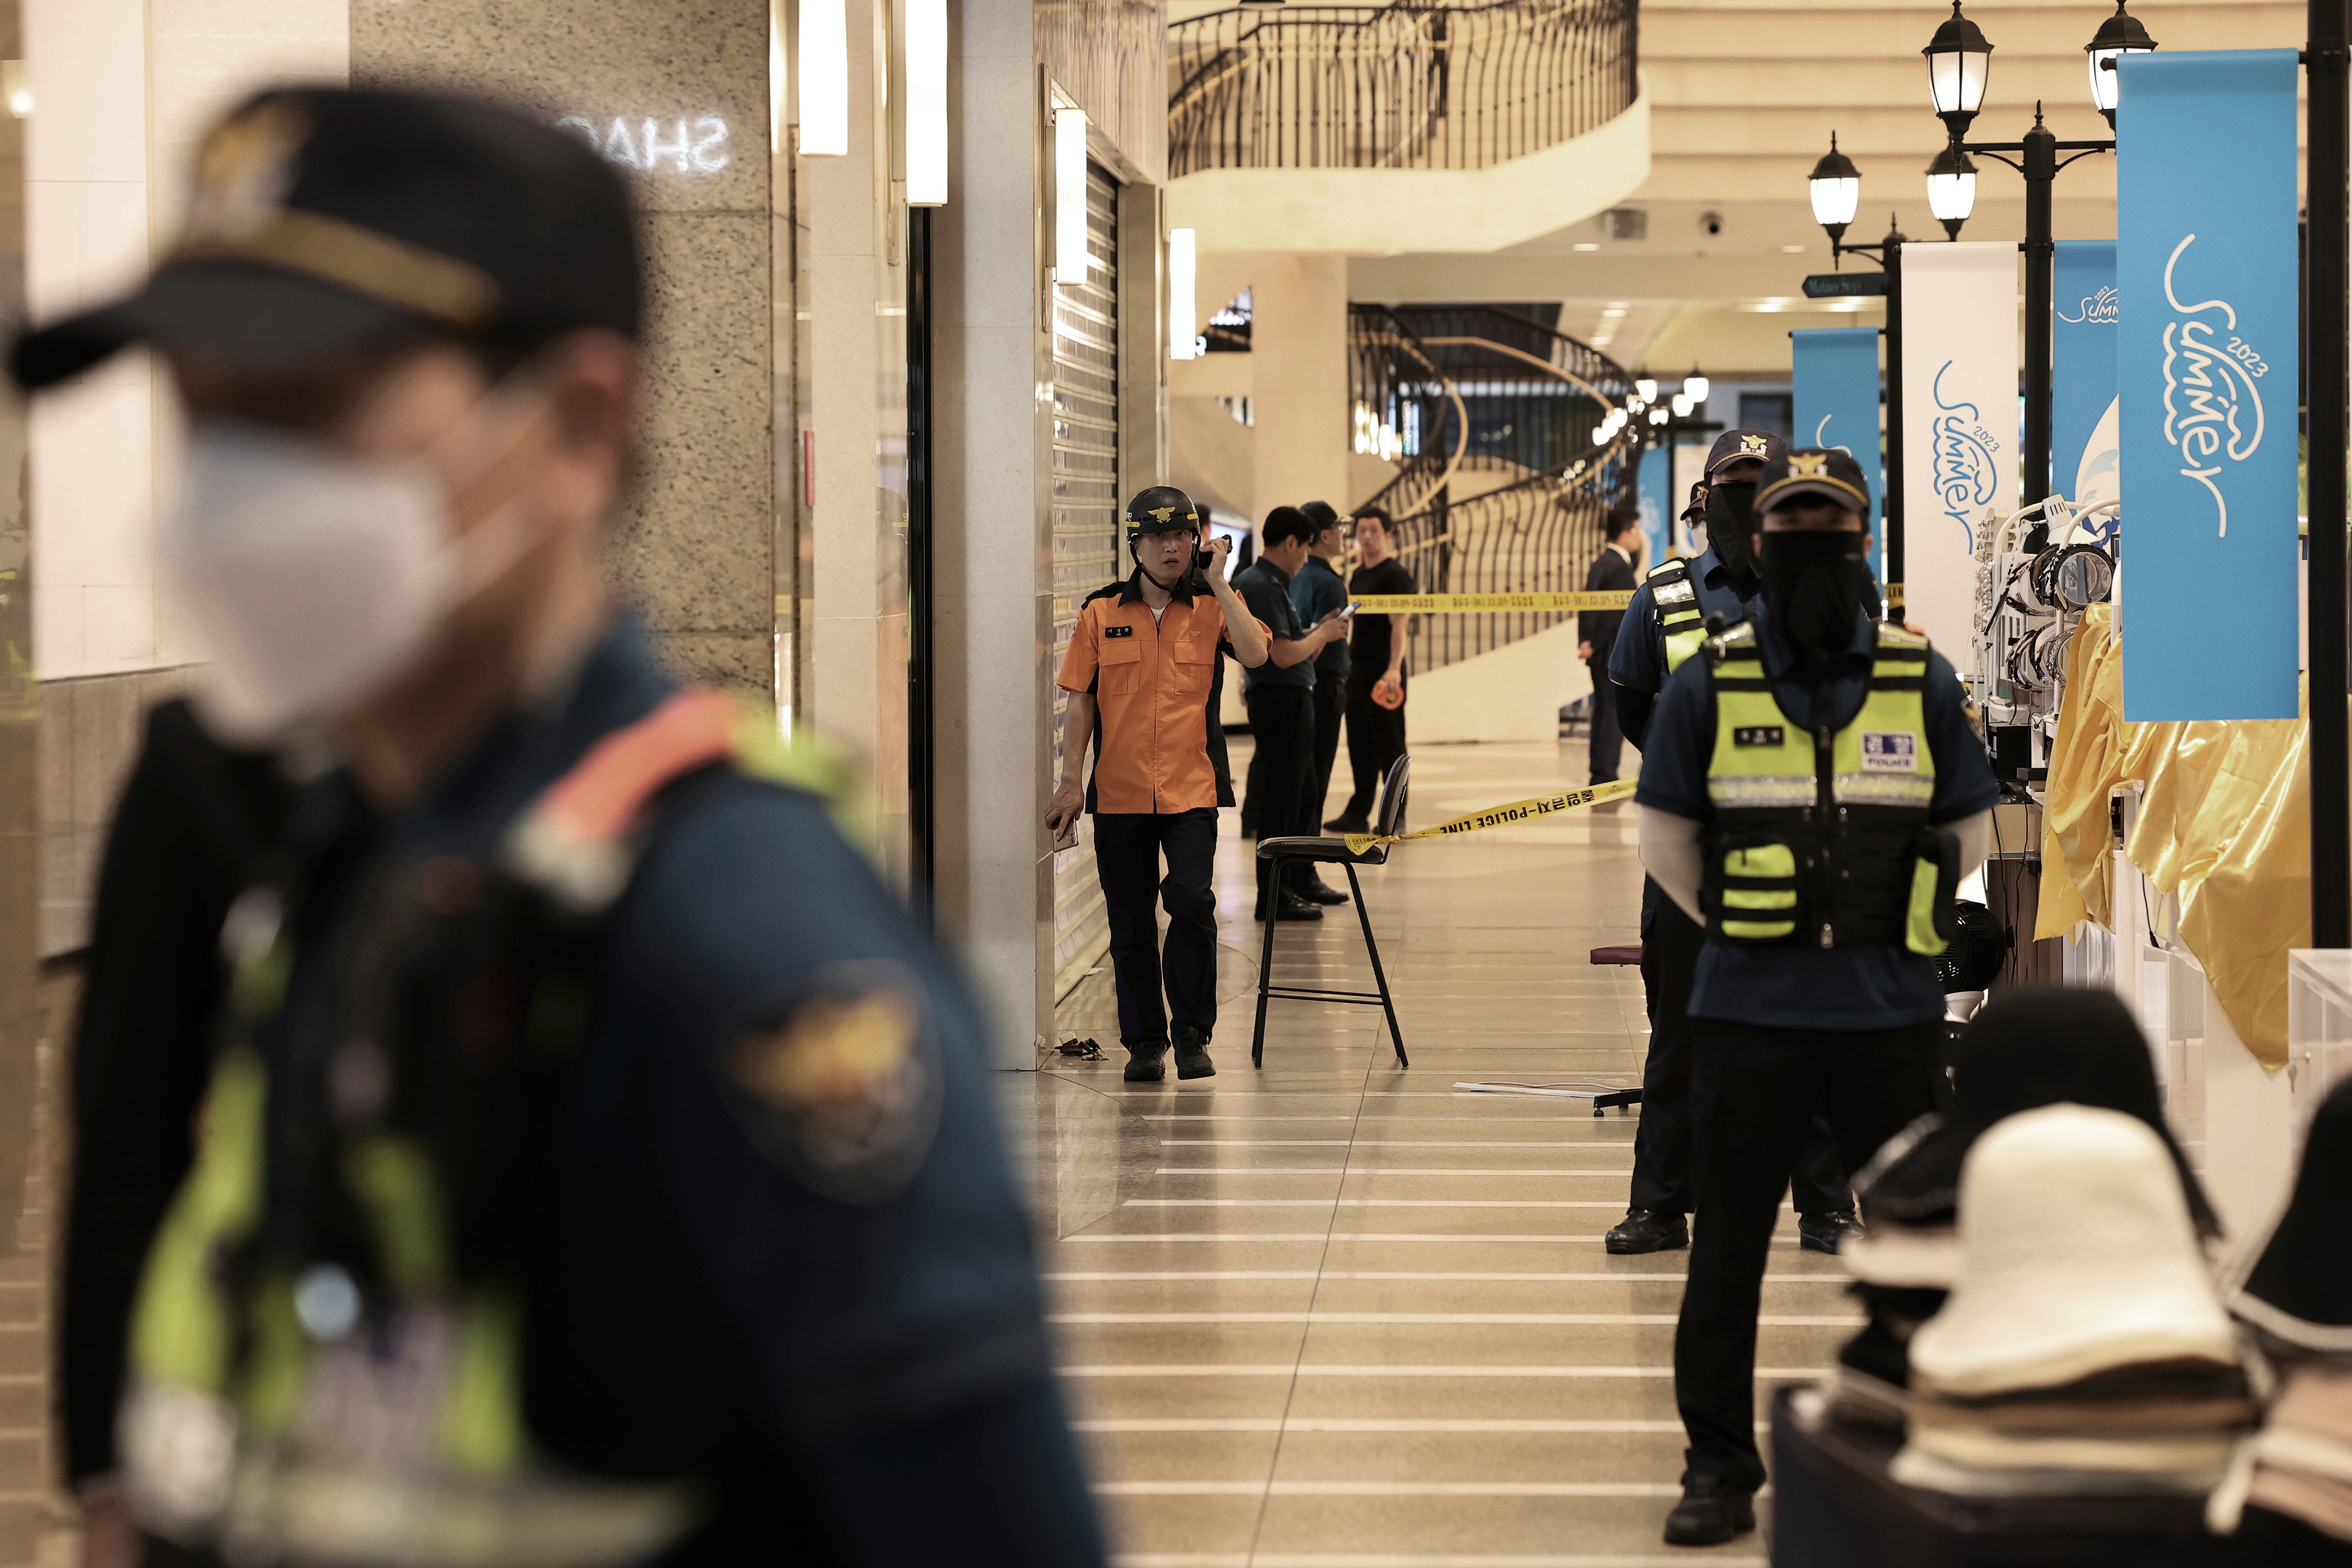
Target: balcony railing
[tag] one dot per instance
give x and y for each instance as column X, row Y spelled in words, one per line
column 1500, row 486
column 1412, row 85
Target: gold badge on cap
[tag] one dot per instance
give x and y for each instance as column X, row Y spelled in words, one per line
column 1162, row 513
column 244, row 171
column 1809, row 466
column 1751, row 443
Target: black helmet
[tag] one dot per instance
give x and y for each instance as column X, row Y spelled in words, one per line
column 1162, row 508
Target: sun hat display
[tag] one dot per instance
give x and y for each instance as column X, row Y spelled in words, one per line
column 2078, row 1257
column 2030, row 1045
column 2297, row 1286
column 2302, row 1460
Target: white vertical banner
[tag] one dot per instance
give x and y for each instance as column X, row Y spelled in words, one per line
column 1960, row 425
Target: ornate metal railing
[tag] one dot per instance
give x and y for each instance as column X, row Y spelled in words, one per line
column 1414, row 85
column 1501, row 487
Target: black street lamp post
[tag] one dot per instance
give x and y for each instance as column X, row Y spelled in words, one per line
column 1836, row 189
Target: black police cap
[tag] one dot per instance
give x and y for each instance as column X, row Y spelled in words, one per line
column 1745, row 446
column 326, row 220
column 1162, row 508
column 1812, row 471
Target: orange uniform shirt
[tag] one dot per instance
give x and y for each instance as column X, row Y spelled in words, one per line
column 1156, row 688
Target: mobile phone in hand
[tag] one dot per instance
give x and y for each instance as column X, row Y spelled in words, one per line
column 1068, row 837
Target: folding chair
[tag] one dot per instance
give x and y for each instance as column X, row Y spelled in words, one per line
column 1335, row 851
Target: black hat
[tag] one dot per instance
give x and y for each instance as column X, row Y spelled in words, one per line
column 1824, row 471
column 1744, row 447
column 325, row 220
column 2027, row 1047
column 2299, row 1286
column 1321, row 513
column 1162, row 508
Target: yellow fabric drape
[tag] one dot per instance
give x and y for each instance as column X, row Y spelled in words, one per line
column 2224, row 822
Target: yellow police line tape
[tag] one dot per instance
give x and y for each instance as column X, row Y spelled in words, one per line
column 1500, row 816
column 1498, row 604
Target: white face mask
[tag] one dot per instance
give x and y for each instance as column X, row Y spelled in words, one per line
column 314, row 579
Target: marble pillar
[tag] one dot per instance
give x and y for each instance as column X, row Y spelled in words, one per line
column 1298, row 370
column 676, row 91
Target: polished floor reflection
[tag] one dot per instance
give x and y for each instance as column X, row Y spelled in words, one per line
column 1334, row 1312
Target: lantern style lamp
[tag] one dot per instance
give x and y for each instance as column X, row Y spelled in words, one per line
column 1647, row 385
column 1958, row 58
column 2119, row 36
column 1952, row 189
column 1836, row 188
column 1695, row 387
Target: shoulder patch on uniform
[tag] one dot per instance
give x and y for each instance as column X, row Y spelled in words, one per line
column 839, row 1080
column 1118, row 631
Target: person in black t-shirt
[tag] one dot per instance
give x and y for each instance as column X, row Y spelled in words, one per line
column 1375, row 672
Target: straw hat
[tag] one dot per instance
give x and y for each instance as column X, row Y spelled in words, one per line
column 2078, row 1257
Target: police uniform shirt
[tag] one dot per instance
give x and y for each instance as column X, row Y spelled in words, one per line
column 733, row 1280
column 1797, row 986
column 1157, row 681
column 1315, row 593
column 1638, row 661
column 1265, row 589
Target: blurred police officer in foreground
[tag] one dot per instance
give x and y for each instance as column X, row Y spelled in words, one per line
column 1665, row 624
column 1812, row 793
column 595, row 1165
column 1145, row 679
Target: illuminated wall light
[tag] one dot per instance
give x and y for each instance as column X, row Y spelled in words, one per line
column 927, row 103
column 1069, row 196
column 16, row 88
column 1182, row 286
column 777, row 95
column 824, row 79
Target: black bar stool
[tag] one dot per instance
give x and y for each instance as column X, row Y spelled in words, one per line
column 1335, row 851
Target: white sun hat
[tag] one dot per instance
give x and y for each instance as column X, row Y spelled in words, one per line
column 2078, row 1257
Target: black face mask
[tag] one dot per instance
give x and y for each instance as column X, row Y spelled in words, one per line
column 1730, row 513
column 1812, row 587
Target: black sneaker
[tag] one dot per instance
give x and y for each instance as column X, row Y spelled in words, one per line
column 1192, row 1053
column 1648, row 1230
column 1823, row 1232
column 1144, row 1063
column 1349, row 825
column 1714, row 1509
column 1316, row 890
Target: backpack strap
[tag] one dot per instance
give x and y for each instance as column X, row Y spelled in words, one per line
column 579, row 841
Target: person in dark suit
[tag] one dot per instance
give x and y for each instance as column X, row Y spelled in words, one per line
column 1611, row 571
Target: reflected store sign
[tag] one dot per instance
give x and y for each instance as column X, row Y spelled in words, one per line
column 650, row 145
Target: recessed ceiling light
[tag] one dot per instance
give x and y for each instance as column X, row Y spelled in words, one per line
column 1584, row 244
column 1792, row 250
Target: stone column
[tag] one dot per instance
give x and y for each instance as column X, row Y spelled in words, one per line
column 1299, row 371
column 677, row 92
column 993, row 613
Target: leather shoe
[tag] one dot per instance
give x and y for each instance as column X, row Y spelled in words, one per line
column 1714, row 1509
column 1647, row 1230
column 1144, row 1063
column 1348, row 824
column 1316, row 890
column 1192, row 1053
column 1291, row 907
column 1823, row 1232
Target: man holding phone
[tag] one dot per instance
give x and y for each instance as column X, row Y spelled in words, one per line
column 1281, row 695
column 1319, row 592
column 1144, row 680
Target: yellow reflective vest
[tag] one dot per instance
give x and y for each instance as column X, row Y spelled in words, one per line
column 1673, row 598
column 1820, row 836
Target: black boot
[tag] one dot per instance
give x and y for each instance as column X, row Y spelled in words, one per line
column 1192, row 1053
column 1823, row 1232
column 1316, row 890
column 1714, row 1509
column 1647, row 1230
column 1143, row 1061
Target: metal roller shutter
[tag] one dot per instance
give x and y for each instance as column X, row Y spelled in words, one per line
column 1087, row 552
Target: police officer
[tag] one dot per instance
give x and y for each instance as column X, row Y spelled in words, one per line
column 1664, row 625
column 1812, row 793
column 1145, row 679
column 597, row 1163
column 1281, row 693
column 1316, row 592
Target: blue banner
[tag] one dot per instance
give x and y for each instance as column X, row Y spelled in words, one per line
column 2083, row 409
column 1837, row 403
column 1654, row 482
column 2205, row 219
